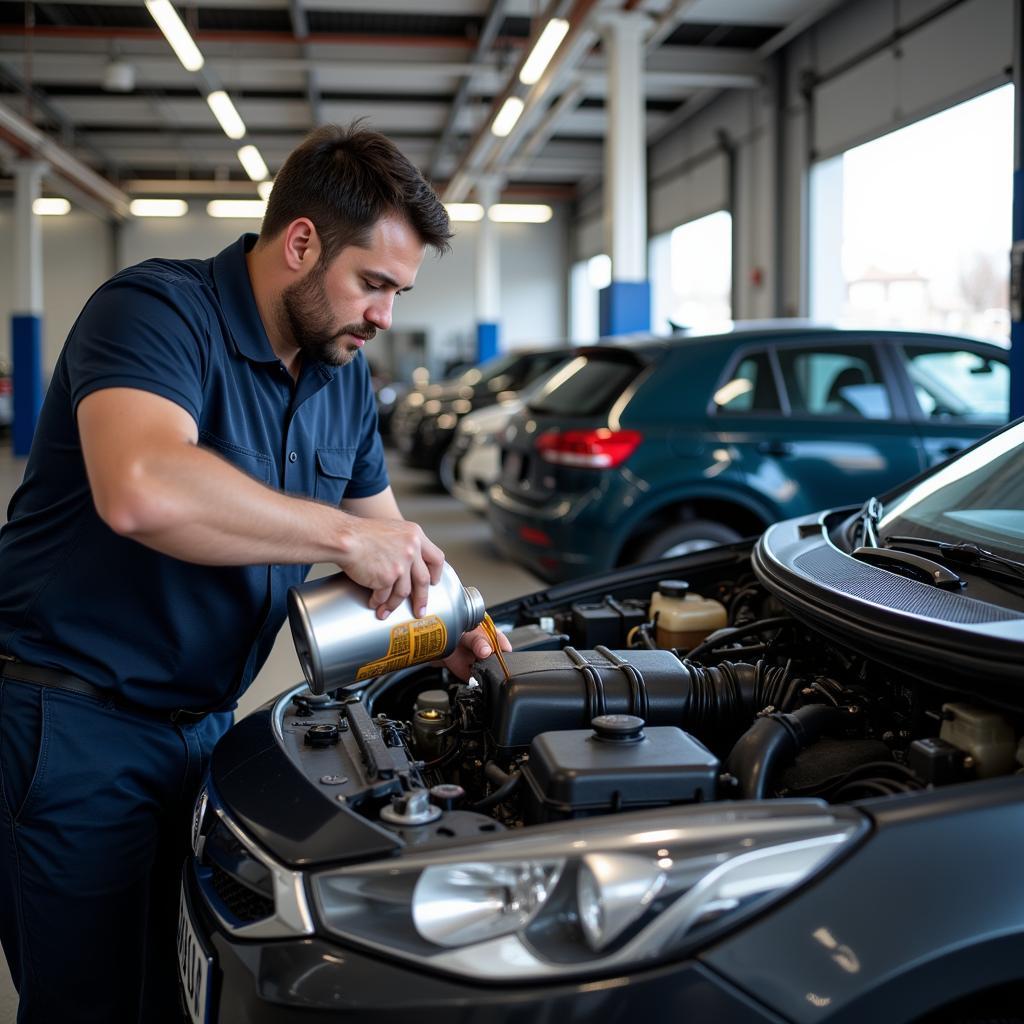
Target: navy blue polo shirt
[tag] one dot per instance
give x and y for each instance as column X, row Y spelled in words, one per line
column 162, row 632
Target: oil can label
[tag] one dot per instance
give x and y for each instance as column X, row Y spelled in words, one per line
column 411, row 642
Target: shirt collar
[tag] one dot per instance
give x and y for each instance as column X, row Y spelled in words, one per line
column 231, row 275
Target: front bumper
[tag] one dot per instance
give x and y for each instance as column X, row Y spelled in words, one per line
column 294, row 981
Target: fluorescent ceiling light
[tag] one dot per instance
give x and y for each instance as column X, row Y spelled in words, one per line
column 158, row 207
column 46, row 206
column 543, row 50
column 176, row 34
column 507, row 116
column 253, row 163
column 224, row 110
column 465, row 211
column 265, row 188
column 247, row 208
column 520, row 213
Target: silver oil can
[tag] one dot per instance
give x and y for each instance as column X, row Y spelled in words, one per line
column 340, row 640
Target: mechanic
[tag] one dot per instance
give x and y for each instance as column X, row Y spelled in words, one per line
column 208, row 434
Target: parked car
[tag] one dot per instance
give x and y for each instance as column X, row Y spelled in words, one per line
column 664, row 448
column 424, row 421
column 796, row 797
column 6, row 396
column 472, row 461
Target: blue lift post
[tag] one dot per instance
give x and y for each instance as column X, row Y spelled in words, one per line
column 1017, row 252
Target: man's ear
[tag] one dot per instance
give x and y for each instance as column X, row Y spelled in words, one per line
column 301, row 245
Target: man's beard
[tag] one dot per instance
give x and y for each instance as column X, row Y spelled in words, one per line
column 308, row 318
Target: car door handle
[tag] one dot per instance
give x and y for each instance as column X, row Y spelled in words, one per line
column 776, row 448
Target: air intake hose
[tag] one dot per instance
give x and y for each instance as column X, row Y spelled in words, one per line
column 773, row 742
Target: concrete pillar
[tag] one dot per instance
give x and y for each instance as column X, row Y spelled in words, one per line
column 1017, row 257
column 27, row 308
column 488, row 275
column 626, row 302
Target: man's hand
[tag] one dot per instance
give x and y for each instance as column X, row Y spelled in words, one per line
column 390, row 556
column 473, row 646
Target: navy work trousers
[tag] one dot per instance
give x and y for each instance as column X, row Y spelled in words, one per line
column 95, row 811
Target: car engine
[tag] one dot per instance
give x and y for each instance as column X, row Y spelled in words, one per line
column 602, row 711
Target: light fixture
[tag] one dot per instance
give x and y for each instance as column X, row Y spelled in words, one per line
column 175, row 33
column 224, row 110
column 520, row 213
column 253, row 163
column 118, row 76
column 158, row 207
column 507, row 116
column 543, row 50
column 244, row 208
column 464, row 211
column 265, row 188
column 50, row 206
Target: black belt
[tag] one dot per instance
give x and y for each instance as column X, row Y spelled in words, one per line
column 11, row 668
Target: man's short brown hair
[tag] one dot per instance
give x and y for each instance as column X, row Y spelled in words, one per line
column 344, row 180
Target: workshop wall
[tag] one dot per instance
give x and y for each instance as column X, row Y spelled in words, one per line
column 80, row 252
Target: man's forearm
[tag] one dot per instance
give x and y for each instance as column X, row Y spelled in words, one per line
column 187, row 502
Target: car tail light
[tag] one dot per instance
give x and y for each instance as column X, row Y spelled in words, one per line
column 532, row 535
column 6, row 386
column 591, row 449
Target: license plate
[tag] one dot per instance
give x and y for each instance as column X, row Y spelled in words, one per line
column 193, row 966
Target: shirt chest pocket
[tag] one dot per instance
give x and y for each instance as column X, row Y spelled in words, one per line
column 253, row 463
column 333, row 472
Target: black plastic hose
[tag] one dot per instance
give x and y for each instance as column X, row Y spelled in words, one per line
column 774, row 741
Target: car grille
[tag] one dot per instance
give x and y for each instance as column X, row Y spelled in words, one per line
column 239, row 899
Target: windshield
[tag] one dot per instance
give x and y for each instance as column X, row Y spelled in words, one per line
column 977, row 498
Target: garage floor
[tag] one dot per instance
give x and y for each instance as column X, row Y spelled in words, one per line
column 464, row 537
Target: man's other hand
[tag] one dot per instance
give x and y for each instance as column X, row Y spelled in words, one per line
column 473, row 646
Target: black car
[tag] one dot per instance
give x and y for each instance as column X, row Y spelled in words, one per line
column 768, row 782
column 627, row 455
column 424, row 420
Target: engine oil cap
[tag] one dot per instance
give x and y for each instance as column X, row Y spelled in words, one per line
column 618, row 728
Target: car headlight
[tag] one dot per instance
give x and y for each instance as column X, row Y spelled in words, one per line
column 586, row 896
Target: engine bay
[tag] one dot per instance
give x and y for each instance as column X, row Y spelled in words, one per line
column 654, row 692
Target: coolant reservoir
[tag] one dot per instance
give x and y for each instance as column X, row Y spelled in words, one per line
column 683, row 620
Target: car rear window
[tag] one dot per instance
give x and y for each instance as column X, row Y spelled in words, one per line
column 587, row 385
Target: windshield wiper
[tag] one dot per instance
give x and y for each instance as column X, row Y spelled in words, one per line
column 966, row 553
column 867, row 522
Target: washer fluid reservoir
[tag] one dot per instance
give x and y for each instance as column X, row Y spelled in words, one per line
column 683, row 620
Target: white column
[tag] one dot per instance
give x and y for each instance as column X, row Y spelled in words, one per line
column 28, row 242
column 488, row 259
column 625, row 151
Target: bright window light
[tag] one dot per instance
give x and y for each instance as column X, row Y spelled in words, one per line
column 176, row 34
column 520, row 213
column 465, row 211
column 47, row 206
column 507, row 116
column 253, row 163
column 544, row 49
column 158, row 207
column 265, row 188
column 242, row 208
column 224, row 110
column 599, row 271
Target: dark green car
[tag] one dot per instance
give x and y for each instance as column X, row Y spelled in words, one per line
column 629, row 454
